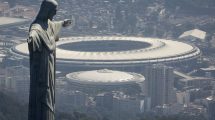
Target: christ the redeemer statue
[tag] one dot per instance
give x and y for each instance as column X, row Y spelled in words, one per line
column 43, row 34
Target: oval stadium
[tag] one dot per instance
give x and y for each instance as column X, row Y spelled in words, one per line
column 104, row 80
column 114, row 52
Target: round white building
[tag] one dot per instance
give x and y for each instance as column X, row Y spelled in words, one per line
column 103, row 80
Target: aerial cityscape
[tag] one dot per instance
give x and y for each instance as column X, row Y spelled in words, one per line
column 119, row 60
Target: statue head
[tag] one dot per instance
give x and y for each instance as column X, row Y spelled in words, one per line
column 48, row 10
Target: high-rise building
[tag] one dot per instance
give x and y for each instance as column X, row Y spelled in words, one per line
column 159, row 84
column 211, row 105
column 183, row 97
column 2, row 78
column 211, row 109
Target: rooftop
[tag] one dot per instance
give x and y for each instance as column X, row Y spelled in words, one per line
column 197, row 79
column 211, row 68
column 104, row 76
column 194, row 33
column 9, row 20
column 183, row 75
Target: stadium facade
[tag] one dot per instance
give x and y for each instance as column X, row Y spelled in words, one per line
column 116, row 53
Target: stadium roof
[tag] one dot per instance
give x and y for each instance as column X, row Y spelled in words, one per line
column 159, row 50
column 104, row 77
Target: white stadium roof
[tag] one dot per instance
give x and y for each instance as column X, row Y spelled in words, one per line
column 104, row 77
column 160, row 50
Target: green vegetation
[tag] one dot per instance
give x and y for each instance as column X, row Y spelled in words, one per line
column 181, row 116
column 193, row 7
column 10, row 109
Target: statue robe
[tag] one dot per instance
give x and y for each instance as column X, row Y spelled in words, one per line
column 42, row 50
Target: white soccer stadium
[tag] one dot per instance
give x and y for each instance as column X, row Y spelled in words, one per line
column 114, row 52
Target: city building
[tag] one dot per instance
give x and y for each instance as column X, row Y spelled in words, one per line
column 183, row 97
column 212, row 41
column 6, row 44
column 196, row 37
column 193, row 35
column 4, row 7
column 191, row 95
column 168, row 110
column 195, row 82
column 2, row 78
column 197, row 94
column 210, row 103
column 211, row 108
column 194, row 111
column 2, row 56
column 159, row 84
column 207, row 72
column 21, row 11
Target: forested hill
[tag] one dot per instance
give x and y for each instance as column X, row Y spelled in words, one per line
column 10, row 109
column 193, row 7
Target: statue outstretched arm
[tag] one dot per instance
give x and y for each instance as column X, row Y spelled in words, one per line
column 57, row 25
column 67, row 22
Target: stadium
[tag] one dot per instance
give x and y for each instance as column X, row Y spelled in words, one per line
column 116, row 53
column 104, row 80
